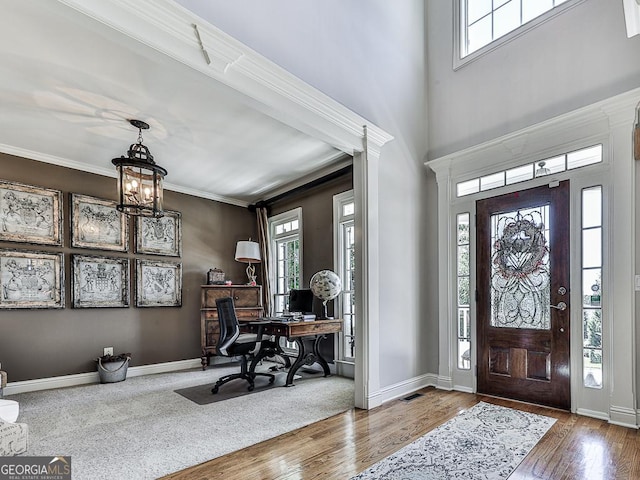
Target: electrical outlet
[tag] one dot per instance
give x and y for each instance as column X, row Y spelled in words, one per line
column 108, row 351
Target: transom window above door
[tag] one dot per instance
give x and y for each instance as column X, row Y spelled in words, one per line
column 529, row 171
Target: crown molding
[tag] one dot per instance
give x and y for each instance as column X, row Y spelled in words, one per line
column 549, row 137
column 108, row 172
column 169, row 28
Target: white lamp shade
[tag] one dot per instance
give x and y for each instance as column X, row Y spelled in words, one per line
column 248, row 251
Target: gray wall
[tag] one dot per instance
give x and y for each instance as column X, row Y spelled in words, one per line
column 317, row 235
column 573, row 60
column 47, row 343
column 317, row 223
column 369, row 56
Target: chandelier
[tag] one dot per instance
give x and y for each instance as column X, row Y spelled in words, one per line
column 139, row 179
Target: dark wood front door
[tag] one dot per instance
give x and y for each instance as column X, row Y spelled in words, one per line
column 523, row 296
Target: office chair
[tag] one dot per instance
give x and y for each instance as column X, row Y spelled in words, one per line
column 232, row 343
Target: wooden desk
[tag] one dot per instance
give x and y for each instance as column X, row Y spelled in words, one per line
column 307, row 335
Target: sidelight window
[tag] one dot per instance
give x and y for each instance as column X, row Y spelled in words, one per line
column 592, row 286
column 463, row 297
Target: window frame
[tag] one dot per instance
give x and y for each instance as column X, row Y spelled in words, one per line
column 459, row 27
column 339, row 222
column 275, row 239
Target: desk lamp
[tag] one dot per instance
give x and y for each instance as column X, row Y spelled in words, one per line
column 248, row 252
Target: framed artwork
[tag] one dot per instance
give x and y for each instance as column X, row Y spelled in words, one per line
column 31, row 279
column 100, row 282
column 96, row 223
column 30, row 214
column 160, row 236
column 158, row 284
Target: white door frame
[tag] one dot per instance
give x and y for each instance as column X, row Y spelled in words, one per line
column 610, row 123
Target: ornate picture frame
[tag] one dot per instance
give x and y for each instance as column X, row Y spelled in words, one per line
column 100, row 282
column 160, row 236
column 30, row 214
column 158, row 284
column 31, row 279
column 97, row 224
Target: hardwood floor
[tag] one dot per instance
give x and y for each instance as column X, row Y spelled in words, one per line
column 576, row 447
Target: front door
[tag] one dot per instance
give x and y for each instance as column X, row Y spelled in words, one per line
column 523, row 295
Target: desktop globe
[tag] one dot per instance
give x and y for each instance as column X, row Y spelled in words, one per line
column 326, row 285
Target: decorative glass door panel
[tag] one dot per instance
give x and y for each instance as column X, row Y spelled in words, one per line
column 520, row 270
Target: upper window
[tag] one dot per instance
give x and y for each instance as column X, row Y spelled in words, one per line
column 491, row 22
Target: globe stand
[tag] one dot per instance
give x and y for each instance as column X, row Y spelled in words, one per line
column 324, row 312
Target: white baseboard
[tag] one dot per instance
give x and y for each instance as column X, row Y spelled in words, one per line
column 623, row 416
column 593, row 414
column 405, row 388
column 462, row 388
column 444, row 383
column 92, row 377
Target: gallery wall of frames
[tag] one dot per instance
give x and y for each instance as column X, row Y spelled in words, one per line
column 31, row 279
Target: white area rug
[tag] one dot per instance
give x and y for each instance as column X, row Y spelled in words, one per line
column 141, row 429
column 484, row 442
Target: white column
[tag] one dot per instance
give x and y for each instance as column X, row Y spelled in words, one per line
column 445, row 318
column 367, row 368
column 622, row 399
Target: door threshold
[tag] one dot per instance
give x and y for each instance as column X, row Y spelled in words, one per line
column 523, row 402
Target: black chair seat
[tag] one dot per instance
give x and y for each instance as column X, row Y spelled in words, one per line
column 232, row 343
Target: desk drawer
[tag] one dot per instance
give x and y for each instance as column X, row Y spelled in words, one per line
column 241, row 314
column 242, row 296
column 314, row 328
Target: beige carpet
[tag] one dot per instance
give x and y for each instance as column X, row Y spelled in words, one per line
column 142, row 429
column 201, row 394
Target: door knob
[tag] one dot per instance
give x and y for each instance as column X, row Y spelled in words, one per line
column 561, row 306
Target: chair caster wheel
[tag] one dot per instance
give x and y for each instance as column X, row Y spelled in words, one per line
column 271, row 380
column 214, row 390
column 251, row 387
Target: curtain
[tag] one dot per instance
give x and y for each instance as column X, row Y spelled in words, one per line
column 263, row 239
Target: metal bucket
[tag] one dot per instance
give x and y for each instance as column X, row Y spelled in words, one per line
column 111, row 372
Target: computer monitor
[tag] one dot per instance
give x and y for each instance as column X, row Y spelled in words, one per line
column 301, row 301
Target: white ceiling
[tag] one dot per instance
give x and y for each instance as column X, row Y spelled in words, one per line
column 68, row 84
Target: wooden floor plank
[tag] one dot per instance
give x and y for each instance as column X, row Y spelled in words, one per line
column 575, row 448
